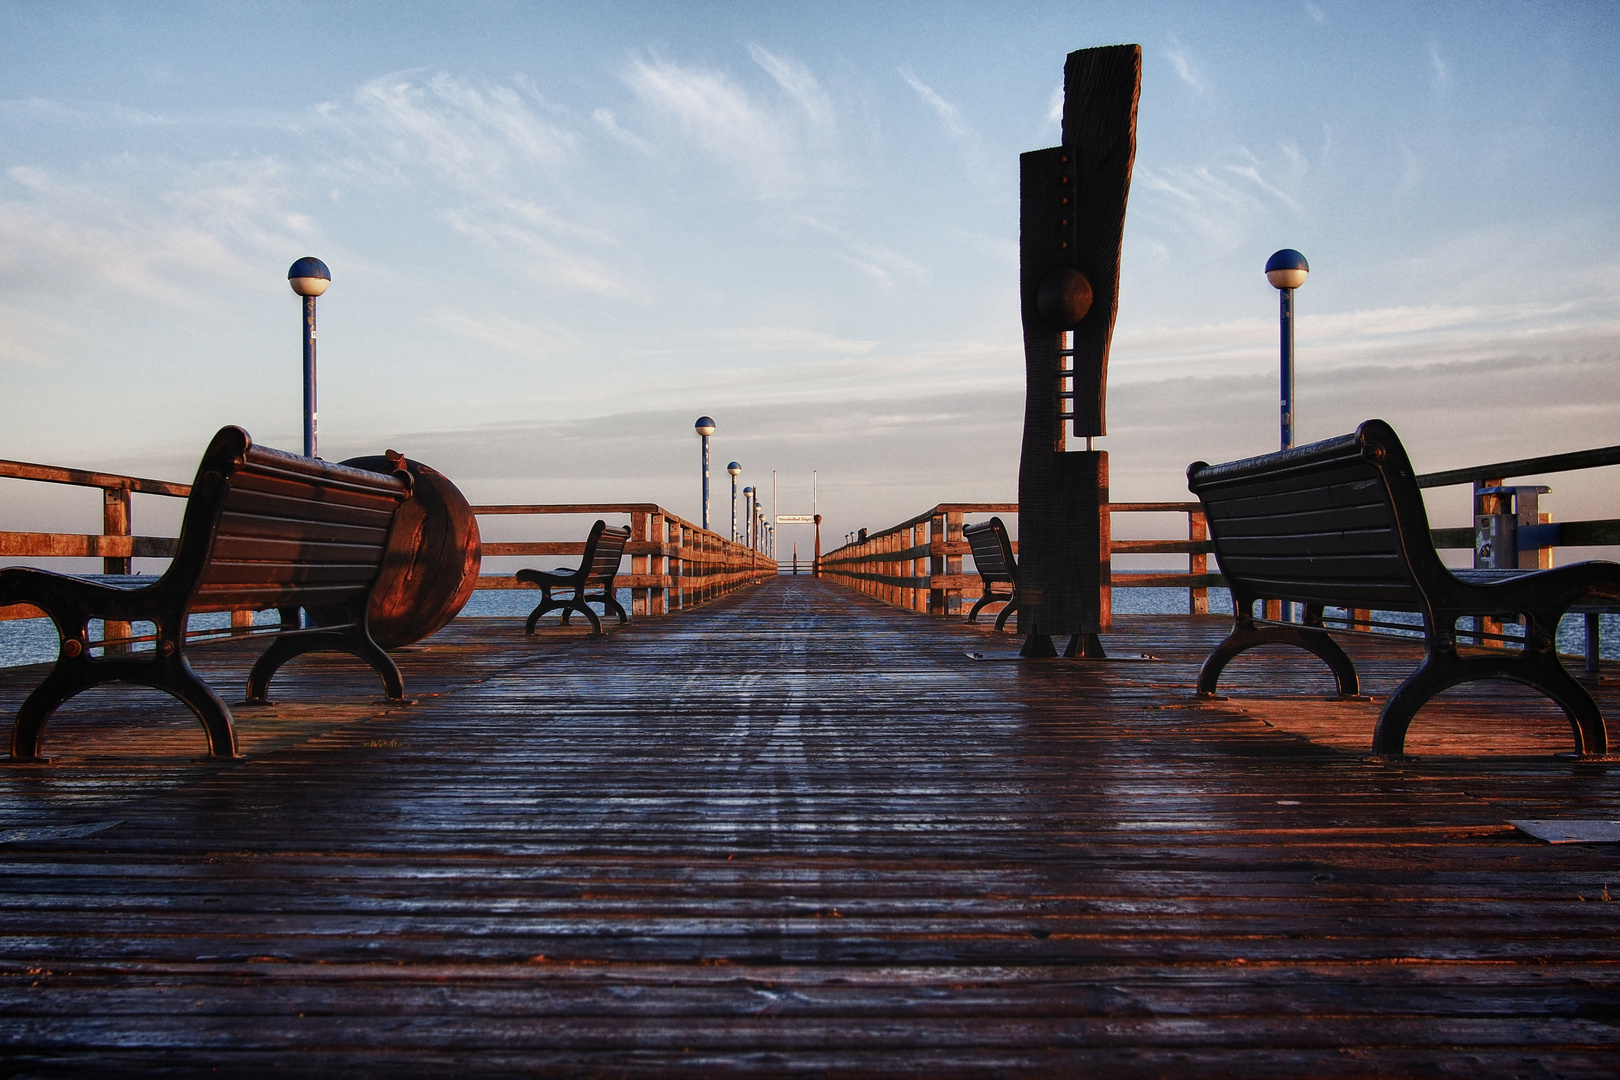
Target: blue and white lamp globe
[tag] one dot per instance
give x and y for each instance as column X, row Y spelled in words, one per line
column 309, row 276
column 734, row 469
column 704, row 426
column 1287, row 269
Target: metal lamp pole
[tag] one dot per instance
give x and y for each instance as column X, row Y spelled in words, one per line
column 309, row 278
column 735, row 470
column 748, row 515
column 1286, row 271
column 705, row 428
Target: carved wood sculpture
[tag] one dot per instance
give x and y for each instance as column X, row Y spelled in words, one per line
column 1072, row 218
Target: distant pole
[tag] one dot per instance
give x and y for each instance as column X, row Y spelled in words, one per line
column 773, row 513
column 748, row 515
column 309, row 278
column 1286, row 271
column 735, row 470
column 705, row 428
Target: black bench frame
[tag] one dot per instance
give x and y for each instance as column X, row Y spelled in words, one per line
column 993, row 558
column 1341, row 523
column 598, row 566
column 262, row 529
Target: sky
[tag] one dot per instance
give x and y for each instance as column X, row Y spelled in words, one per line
column 560, row 232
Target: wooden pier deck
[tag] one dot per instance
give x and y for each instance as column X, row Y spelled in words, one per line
column 797, row 831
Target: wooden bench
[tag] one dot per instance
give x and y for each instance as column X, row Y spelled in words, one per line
column 262, row 529
column 598, row 566
column 993, row 558
column 1341, row 523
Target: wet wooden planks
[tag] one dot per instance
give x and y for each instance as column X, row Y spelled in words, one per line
column 796, row 830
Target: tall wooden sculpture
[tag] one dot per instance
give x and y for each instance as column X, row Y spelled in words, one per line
column 1071, row 222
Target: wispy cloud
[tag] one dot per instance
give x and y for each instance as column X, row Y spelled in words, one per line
column 776, row 148
column 474, row 137
column 786, row 339
column 492, row 328
column 72, row 238
column 949, row 115
column 1223, row 203
column 1314, row 13
column 610, row 124
column 801, row 85
column 1181, row 62
column 1440, row 71
column 501, row 153
column 878, row 262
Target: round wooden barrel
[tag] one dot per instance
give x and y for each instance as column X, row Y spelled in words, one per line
column 433, row 556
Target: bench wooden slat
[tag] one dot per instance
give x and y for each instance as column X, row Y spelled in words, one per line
column 277, row 549
column 235, row 526
column 313, row 487
column 286, row 508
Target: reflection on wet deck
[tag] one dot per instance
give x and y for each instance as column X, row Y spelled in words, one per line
column 796, row 829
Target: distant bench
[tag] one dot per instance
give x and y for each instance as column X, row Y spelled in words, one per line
column 993, row 558
column 598, row 566
column 262, row 529
column 1341, row 523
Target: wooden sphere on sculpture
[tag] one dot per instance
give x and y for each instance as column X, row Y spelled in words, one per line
column 1063, row 297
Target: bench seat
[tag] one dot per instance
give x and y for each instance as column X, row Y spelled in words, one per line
column 1341, row 523
column 262, row 529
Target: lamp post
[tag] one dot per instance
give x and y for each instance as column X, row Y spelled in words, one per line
column 1286, row 271
column 748, row 514
column 735, row 470
column 705, row 428
column 309, row 278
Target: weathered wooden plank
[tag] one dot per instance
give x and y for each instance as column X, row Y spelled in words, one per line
column 798, row 830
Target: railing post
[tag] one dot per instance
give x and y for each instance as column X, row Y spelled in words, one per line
column 658, row 599
column 936, row 562
column 639, row 594
column 1197, row 563
column 115, row 513
column 953, row 563
column 1487, row 508
column 916, row 568
column 677, row 567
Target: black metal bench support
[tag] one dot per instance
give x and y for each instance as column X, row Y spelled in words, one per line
column 1311, row 636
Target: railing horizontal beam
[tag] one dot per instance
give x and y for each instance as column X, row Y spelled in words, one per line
column 35, row 545
column 52, row 474
column 1502, row 470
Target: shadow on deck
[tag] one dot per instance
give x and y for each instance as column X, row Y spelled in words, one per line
column 796, row 830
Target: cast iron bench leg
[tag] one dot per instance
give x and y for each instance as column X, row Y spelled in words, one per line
column 355, row 644
column 173, row 675
column 1246, row 635
column 1538, row 668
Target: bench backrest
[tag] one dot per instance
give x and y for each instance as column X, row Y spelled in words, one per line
column 268, row 529
column 604, row 548
column 992, row 551
column 1339, row 522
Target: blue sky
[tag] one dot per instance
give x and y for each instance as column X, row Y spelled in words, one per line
column 559, row 232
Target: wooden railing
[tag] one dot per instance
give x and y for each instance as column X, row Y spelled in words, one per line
column 674, row 564
column 917, row 564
